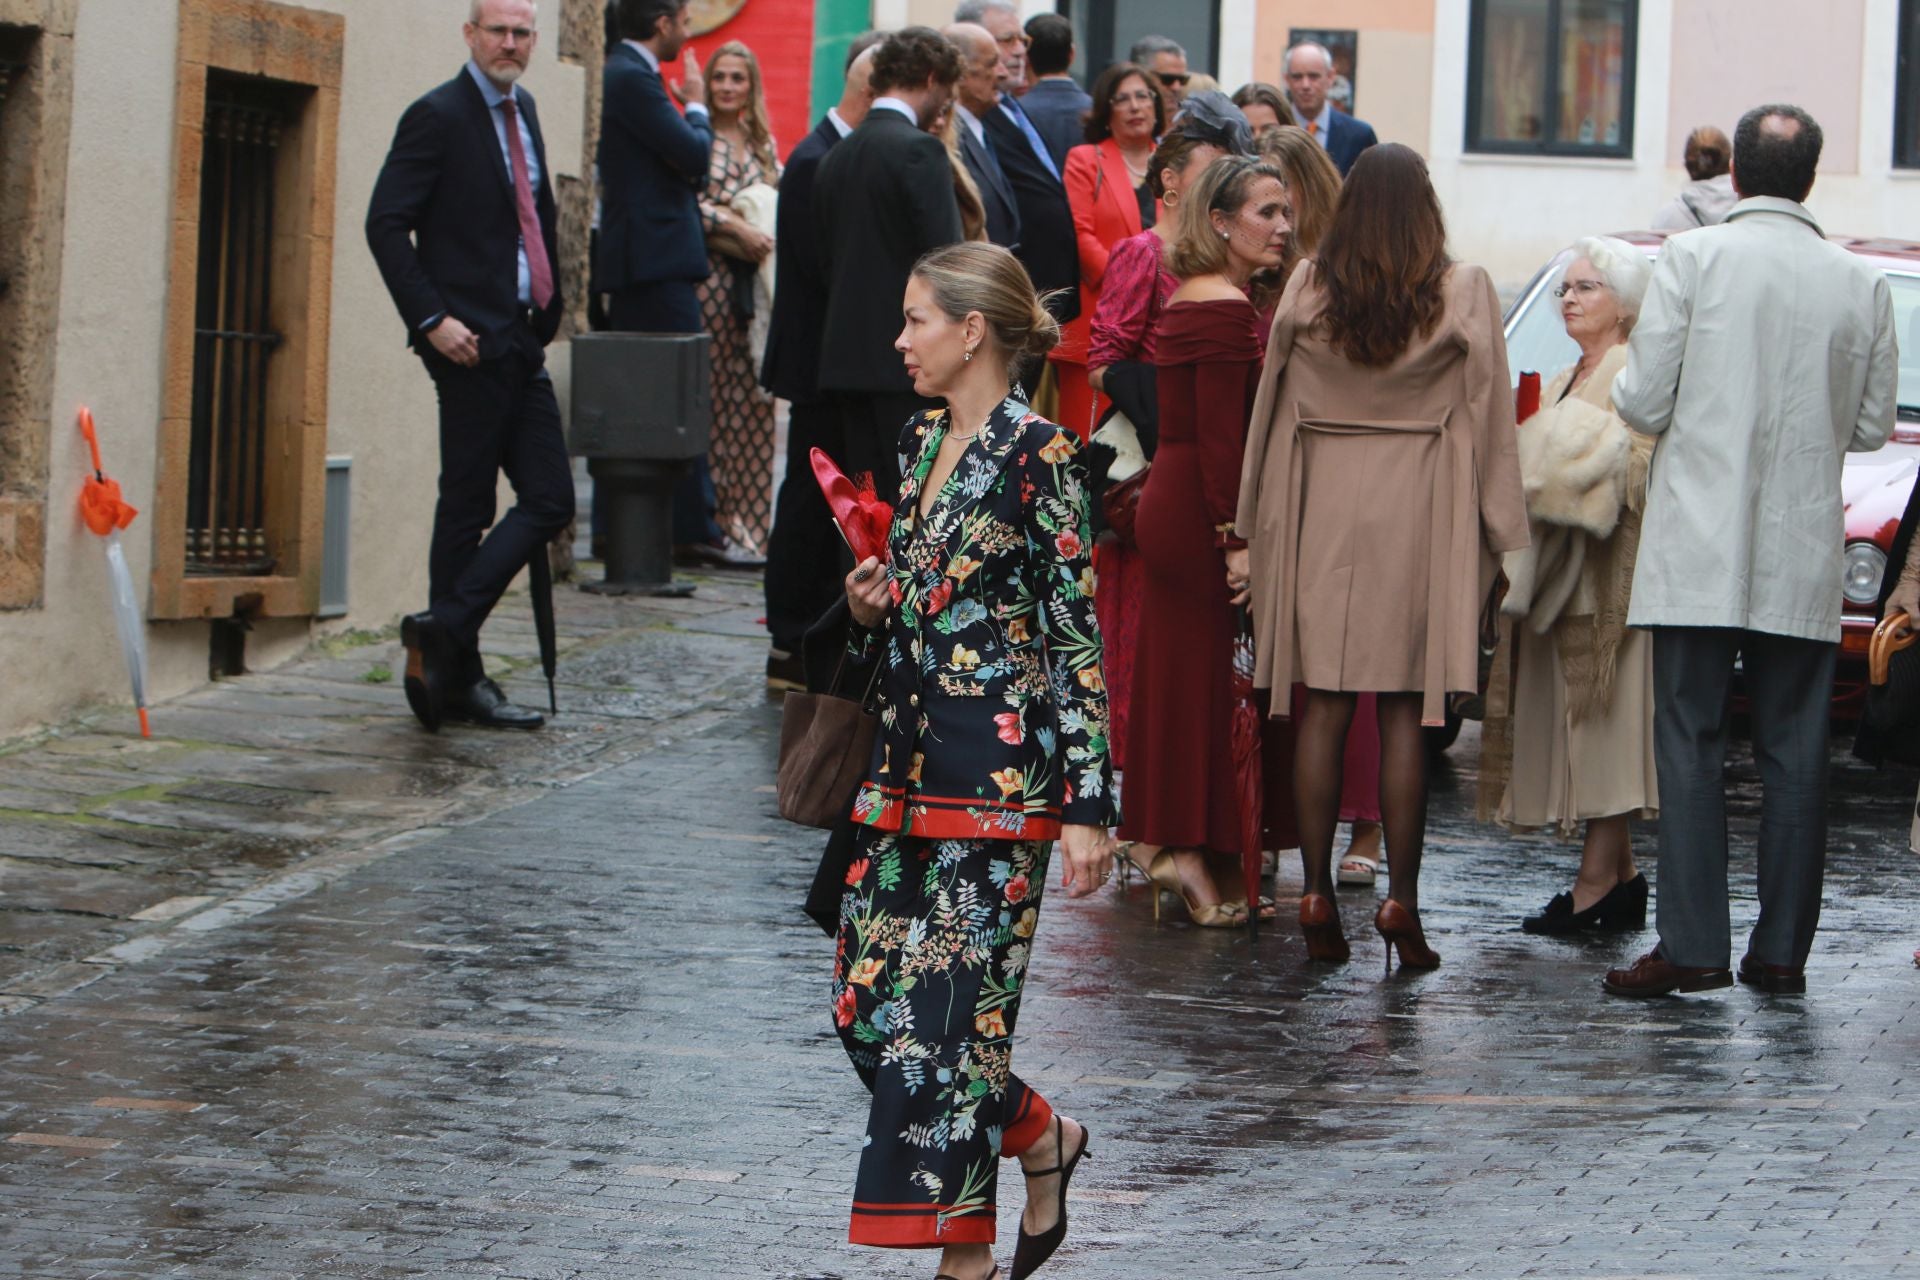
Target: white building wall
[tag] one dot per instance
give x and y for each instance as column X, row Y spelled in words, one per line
column 1510, row 213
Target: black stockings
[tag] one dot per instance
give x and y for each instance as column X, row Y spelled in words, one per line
column 1319, row 751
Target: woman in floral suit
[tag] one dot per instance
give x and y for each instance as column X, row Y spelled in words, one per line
column 992, row 746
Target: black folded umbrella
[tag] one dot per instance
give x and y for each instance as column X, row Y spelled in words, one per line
column 540, row 586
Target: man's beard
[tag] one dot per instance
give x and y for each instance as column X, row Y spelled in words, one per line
column 506, row 71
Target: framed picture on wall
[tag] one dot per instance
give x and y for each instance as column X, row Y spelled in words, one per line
column 1345, row 48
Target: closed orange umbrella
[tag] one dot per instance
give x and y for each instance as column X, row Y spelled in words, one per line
column 107, row 513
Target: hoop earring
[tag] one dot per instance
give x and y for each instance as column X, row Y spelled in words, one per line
column 1170, row 199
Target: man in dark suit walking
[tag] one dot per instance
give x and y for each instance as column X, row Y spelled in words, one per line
column 975, row 96
column 1057, row 106
column 653, row 248
column 881, row 199
column 1309, row 78
column 804, row 576
column 462, row 227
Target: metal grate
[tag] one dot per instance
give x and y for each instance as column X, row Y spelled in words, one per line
column 234, row 342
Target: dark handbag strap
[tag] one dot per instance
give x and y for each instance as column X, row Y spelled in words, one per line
column 867, row 703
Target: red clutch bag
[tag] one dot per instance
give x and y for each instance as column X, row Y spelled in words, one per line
column 1526, row 397
column 862, row 516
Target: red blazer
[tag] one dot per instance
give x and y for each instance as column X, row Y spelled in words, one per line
column 1105, row 212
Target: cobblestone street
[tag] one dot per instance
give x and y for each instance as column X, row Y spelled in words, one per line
column 558, row 1015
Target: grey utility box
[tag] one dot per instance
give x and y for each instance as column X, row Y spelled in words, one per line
column 642, row 411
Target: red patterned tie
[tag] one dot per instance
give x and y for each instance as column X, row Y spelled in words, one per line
column 539, row 270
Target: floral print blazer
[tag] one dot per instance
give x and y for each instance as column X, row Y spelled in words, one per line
column 993, row 713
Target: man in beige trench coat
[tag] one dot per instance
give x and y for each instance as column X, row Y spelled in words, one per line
column 1763, row 355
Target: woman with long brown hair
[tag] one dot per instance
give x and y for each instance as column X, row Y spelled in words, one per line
column 1313, row 191
column 1380, row 486
column 1313, row 187
column 742, row 168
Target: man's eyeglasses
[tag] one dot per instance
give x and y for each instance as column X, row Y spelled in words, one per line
column 1580, row 288
column 496, row 31
column 1015, row 38
column 1137, row 97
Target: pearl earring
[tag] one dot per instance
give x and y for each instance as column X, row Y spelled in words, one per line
column 967, row 358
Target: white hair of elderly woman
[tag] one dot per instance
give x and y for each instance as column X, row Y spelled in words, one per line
column 1624, row 267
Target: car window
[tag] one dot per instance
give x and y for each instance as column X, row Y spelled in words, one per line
column 1906, row 328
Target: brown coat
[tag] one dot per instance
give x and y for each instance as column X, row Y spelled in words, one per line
column 1377, row 500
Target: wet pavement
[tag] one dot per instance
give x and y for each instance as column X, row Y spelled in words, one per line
column 584, row 1034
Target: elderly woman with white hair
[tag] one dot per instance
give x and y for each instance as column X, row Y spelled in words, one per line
column 1571, row 736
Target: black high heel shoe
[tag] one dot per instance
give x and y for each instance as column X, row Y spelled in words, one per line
column 1622, row 909
column 1030, row 1251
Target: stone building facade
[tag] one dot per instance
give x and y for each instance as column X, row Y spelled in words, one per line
column 182, row 189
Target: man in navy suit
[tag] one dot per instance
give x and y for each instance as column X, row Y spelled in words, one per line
column 461, row 225
column 1057, row 105
column 653, row 246
column 1309, row 77
column 804, row 577
column 976, row 96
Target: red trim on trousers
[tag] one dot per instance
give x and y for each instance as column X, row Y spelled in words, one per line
column 917, row 1226
column 1020, row 1132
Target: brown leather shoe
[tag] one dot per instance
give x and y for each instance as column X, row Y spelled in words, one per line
column 1774, row 979
column 1653, row 975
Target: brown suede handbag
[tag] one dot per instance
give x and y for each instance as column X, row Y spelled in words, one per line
column 826, row 745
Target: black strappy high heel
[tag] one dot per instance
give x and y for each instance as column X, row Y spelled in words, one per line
column 1029, row 1252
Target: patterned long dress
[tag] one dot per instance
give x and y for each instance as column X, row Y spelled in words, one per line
column 741, row 455
column 993, row 736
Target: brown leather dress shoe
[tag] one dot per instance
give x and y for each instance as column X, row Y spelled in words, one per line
column 1653, row 975
column 1774, row 979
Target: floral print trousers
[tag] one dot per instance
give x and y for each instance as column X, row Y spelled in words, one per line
column 934, row 942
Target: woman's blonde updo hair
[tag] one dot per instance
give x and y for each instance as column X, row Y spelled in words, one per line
column 969, row 277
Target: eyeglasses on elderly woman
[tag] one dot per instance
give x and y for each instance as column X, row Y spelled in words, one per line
column 1581, row 288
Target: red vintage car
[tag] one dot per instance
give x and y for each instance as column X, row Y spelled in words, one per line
column 1875, row 485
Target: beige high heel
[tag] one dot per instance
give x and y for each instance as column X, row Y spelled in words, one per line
column 1166, row 877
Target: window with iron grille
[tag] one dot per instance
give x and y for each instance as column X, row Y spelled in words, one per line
column 235, row 341
column 1552, row 77
column 16, row 44
column 1906, row 94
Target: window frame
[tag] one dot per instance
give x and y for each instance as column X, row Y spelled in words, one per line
column 1906, row 84
column 1629, row 85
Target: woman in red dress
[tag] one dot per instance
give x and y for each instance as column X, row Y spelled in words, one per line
column 1180, row 790
column 1106, row 181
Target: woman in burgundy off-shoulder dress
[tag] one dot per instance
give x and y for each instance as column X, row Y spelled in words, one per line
column 1180, row 791
column 1121, row 333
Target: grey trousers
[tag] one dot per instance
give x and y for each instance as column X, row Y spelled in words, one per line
column 1789, row 685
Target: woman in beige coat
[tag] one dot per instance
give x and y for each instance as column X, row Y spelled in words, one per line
column 1578, row 744
column 1379, row 488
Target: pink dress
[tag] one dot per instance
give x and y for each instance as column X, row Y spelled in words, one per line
column 1137, row 288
